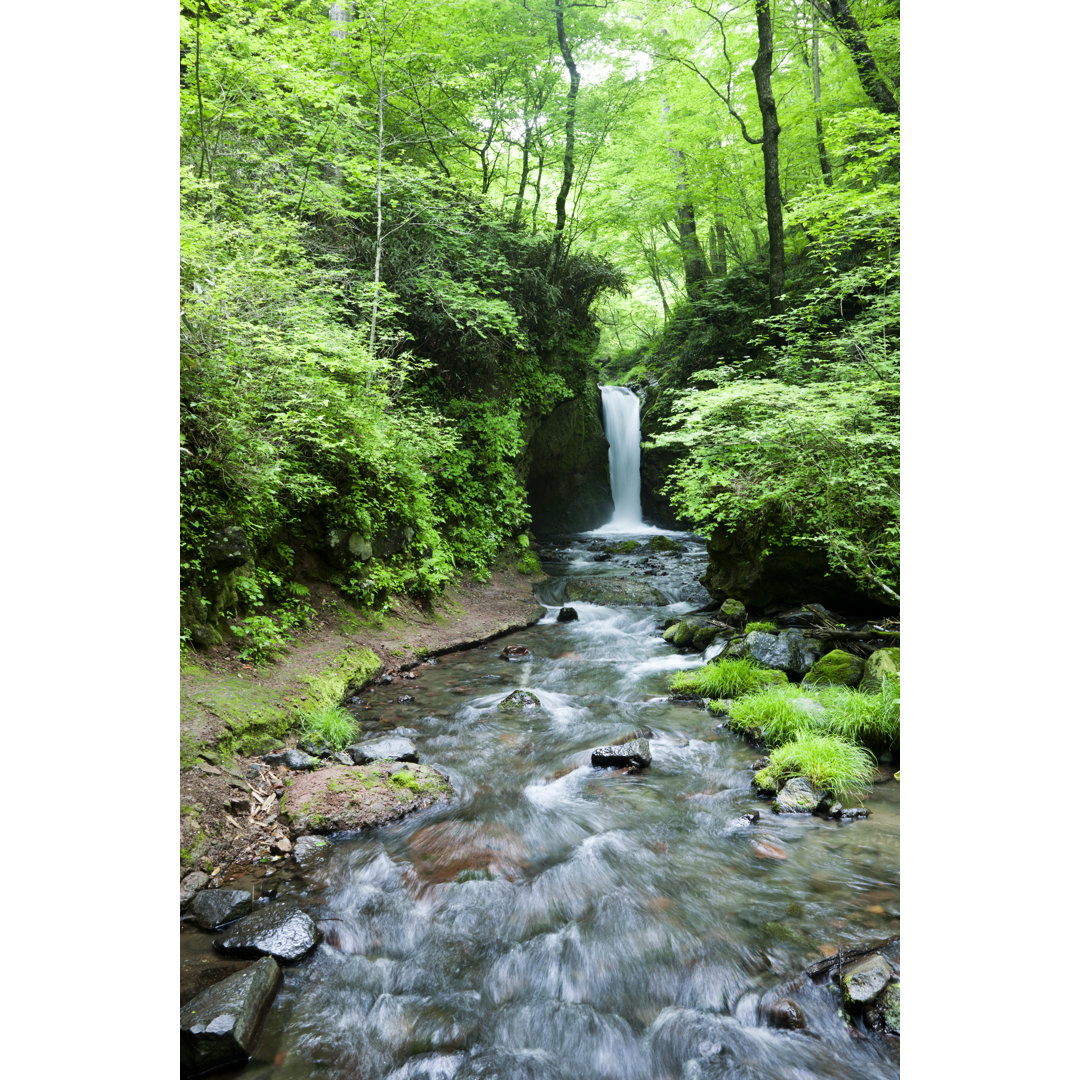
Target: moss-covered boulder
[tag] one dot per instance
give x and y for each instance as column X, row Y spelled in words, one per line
column 798, row 796
column 519, row 699
column 733, row 611
column 663, row 545
column 354, row 797
column 880, row 665
column 837, row 668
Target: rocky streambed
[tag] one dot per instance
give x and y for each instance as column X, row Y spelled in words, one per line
column 576, row 877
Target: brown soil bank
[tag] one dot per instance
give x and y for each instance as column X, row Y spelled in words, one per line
column 231, row 712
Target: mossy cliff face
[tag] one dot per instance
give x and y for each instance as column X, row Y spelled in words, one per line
column 565, row 466
column 656, row 463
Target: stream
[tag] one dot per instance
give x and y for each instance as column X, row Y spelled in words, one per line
column 557, row 920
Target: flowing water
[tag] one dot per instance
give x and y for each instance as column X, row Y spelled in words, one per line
column 561, row 921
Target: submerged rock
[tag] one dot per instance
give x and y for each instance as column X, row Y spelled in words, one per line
column 836, row 668
column 390, row 748
column 307, row 848
column 784, row 1014
column 280, row 930
column 215, row 907
column 798, row 796
column 614, row 591
column 634, row 754
column 515, row 653
column 220, row 1026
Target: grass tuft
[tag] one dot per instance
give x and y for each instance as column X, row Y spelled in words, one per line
column 331, row 724
column 829, row 762
column 725, row 678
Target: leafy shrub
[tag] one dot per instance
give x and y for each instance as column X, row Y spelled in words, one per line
column 725, row 678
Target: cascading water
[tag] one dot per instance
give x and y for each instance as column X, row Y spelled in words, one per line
column 622, row 425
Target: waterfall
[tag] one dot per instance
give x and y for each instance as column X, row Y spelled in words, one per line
column 622, row 425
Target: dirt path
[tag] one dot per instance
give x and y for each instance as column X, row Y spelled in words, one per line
column 231, row 711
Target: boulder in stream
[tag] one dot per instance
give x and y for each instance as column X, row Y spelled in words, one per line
column 212, row 908
column 798, row 796
column 881, row 664
column 566, row 614
column 220, row 1025
column 390, row 748
column 515, row 654
column 634, row 754
column 280, row 930
column 865, row 980
column 519, row 699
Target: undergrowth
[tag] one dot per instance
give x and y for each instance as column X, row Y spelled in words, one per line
column 829, row 762
column 725, row 679
column 329, row 724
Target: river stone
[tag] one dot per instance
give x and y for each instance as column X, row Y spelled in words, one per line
column 280, row 930
column 292, row 759
column 340, row 798
column 879, row 665
column 663, row 544
column 515, row 654
column 786, row 651
column 634, row 754
column 390, row 748
column 614, row 591
column 308, row 848
column 566, row 614
column 733, row 611
column 191, row 884
column 864, row 981
column 797, row 796
column 215, row 907
column 837, row 668
column 519, row 699
column 785, row 1014
column 220, row 1025
column 885, row 1012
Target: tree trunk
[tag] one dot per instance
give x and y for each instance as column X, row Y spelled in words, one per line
column 815, row 70
column 770, row 147
column 568, row 154
column 851, row 34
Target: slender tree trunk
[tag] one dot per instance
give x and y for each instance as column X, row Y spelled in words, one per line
column 694, row 265
column 378, row 184
column 851, row 34
column 568, row 154
column 770, row 147
column 524, row 176
column 815, row 71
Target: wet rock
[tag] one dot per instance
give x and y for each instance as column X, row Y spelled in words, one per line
column 566, row 614
column 281, row 846
column 280, row 930
column 663, row 544
column 634, row 754
column 515, row 654
column 797, row 796
column 215, row 907
column 865, row 980
column 785, row 1014
column 406, row 699
column 391, row 748
column 340, row 798
column 884, row 1014
column 854, row 813
column 786, row 651
column 190, row 885
column 638, row 733
column 308, row 848
column 519, row 699
column 603, row 556
column 733, row 611
column 837, row 668
column 881, row 664
column 610, row 591
column 316, row 748
column 226, row 549
column 752, row 817
column 762, row 849
column 341, row 758
column 292, row 759
column 220, row 1026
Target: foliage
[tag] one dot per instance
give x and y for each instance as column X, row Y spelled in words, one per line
column 332, row 725
column 830, row 762
column 725, row 678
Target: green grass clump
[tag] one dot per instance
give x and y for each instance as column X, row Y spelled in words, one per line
column 329, row 724
column 725, row 678
column 829, row 762
column 765, row 627
column 776, row 712
column 872, row 719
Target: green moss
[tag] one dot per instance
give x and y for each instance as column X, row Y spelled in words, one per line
column 529, row 563
column 764, row 627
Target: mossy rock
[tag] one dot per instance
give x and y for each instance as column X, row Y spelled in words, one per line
column 663, row 544
column 614, row 591
column 704, row 636
column 733, row 611
column 836, row 668
column 764, row 782
column 519, row 699
column 882, row 664
column 348, row 797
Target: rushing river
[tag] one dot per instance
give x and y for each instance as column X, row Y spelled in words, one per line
column 561, row 922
